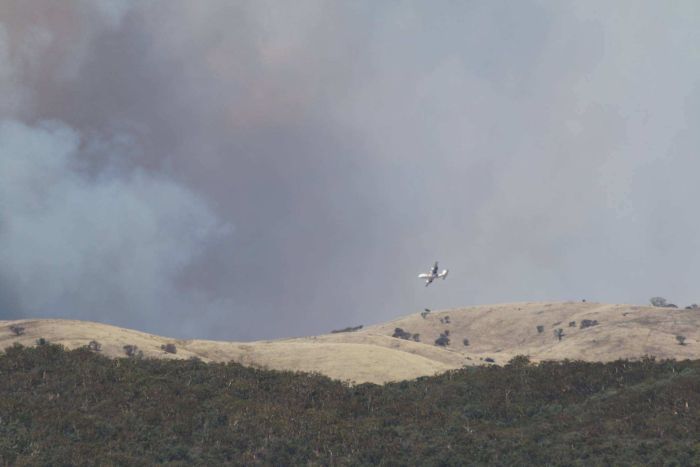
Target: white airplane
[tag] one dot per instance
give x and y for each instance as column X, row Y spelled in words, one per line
column 433, row 274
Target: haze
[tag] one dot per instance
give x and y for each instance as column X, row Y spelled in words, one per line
column 248, row 170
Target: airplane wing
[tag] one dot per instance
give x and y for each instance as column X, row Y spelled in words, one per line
column 423, row 276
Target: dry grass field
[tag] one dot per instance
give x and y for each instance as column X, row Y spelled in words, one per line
column 494, row 332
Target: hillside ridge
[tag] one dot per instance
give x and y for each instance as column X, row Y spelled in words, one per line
column 472, row 336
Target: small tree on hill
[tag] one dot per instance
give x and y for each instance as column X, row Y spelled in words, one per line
column 442, row 341
column 132, row 351
column 540, row 329
column 94, row 346
column 681, row 340
column 169, row 348
column 17, row 330
column 658, row 301
column 559, row 333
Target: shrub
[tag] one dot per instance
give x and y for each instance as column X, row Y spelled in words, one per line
column 447, row 320
column 465, row 342
column 572, row 324
column 442, row 341
column 416, row 337
column 657, row 301
column 169, row 348
column 587, row 323
column 94, row 346
column 489, row 359
column 401, row 334
column 348, row 329
column 540, row 329
column 132, row 351
column 447, row 332
column 17, row 330
column 41, row 341
column 559, row 333
column 694, row 306
column 681, row 340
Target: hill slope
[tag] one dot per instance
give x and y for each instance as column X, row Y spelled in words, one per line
column 496, row 332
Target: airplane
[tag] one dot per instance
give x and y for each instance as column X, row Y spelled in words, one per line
column 433, row 274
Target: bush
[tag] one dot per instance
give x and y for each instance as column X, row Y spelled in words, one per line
column 587, row 323
column 401, row 334
column 424, row 313
column 657, row 301
column 572, row 324
column 465, row 342
column 447, row 332
column 348, row 329
column 41, row 341
column 132, row 351
column 489, row 359
column 442, row 341
column 94, row 346
column 559, row 333
column 540, row 329
column 694, row 306
column 169, row 348
column 681, row 340
column 416, row 337
column 17, row 330
column 447, row 320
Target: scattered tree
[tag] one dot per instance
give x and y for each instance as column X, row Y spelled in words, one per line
column 348, row 329
column 681, row 340
column 694, row 306
column 132, row 351
column 489, row 359
column 401, row 334
column 658, row 301
column 41, row 341
column 169, row 348
column 447, row 332
column 442, row 341
column 572, row 324
column 424, row 313
column 465, row 342
column 447, row 320
column 587, row 323
column 17, row 330
column 416, row 337
column 94, row 346
column 559, row 333
column 540, row 329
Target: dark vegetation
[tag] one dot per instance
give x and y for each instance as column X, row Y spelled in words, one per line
column 587, row 323
column 540, row 329
column 661, row 302
column 559, row 333
column 443, row 340
column 348, row 329
column 17, row 330
column 80, row 408
column 132, row 351
column 169, row 348
column 94, row 346
column 681, row 340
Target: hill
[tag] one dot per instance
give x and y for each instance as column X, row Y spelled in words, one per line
column 492, row 333
column 77, row 408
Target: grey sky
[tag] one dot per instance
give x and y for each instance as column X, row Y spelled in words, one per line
column 247, row 170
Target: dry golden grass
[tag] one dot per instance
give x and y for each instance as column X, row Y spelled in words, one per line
column 498, row 332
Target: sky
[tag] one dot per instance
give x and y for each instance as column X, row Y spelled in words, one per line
column 244, row 170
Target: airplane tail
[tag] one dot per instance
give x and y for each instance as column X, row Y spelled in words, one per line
column 443, row 274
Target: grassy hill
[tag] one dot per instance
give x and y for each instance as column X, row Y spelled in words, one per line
column 81, row 408
column 591, row 332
